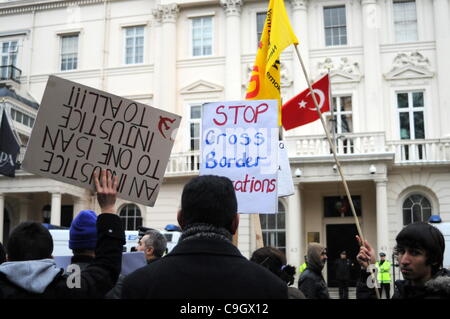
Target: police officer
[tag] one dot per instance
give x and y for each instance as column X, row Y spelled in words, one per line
column 384, row 275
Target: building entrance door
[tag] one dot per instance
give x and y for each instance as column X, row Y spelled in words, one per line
column 341, row 237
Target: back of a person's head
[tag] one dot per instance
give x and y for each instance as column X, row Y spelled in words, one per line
column 156, row 240
column 210, row 200
column 421, row 235
column 29, row 241
column 271, row 258
column 83, row 232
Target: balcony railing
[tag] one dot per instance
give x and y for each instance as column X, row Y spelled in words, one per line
column 353, row 143
column 10, row 72
column 420, row 151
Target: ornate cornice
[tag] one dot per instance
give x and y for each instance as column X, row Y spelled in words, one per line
column 166, row 12
column 299, row 4
column 30, row 6
column 232, row 7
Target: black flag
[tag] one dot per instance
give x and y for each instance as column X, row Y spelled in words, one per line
column 9, row 148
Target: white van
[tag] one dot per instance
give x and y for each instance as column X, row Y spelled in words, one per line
column 61, row 241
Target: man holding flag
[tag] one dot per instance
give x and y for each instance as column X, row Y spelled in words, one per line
column 277, row 35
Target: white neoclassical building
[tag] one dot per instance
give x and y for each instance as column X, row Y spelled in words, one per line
column 389, row 67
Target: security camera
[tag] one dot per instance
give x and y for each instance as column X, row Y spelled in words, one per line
column 298, row 172
column 372, row 169
column 335, row 167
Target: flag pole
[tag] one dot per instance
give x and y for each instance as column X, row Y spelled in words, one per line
column 338, row 164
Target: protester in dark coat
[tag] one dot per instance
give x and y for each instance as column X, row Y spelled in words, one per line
column 420, row 249
column 205, row 264
column 275, row 260
column 32, row 273
column 343, row 270
column 311, row 281
column 83, row 238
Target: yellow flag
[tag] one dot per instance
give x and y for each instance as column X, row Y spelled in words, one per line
column 277, row 35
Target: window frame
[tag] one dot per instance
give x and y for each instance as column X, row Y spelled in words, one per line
column 191, row 36
column 275, row 231
column 258, row 35
column 324, row 27
column 124, row 219
column 407, row 197
column 411, row 109
column 394, row 24
column 61, row 39
column 124, row 43
column 194, row 121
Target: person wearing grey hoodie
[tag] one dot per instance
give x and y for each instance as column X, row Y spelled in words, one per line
column 311, row 281
column 31, row 272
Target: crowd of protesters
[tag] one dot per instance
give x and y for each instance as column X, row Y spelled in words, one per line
column 205, row 263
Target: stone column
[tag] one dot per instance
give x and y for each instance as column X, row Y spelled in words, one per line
column 2, row 216
column 442, row 38
column 382, row 217
column 157, row 54
column 372, row 66
column 294, row 232
column 233, row 49
column 168, row 61
column 80, row 204
column 299, row 23
column 55, row 217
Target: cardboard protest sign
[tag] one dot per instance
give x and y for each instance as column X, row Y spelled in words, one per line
column 80, row 130
column 285, row 182
column 240, row 141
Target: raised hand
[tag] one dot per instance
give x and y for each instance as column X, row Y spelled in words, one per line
column 366, row 255
column 106, row 189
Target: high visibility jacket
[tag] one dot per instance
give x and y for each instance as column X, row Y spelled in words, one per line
column 384, row 272
column 302, row 268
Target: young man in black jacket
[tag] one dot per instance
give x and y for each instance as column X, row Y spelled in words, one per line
column 420, row 250
column 31, row 272
column 311, row 282
column 205, row 264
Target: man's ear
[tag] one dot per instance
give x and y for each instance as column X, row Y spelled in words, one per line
column 235, row 224
column 180, row 219
column 149, row 251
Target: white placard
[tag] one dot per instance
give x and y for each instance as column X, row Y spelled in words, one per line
column 240, row 141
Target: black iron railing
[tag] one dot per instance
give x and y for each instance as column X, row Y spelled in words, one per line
column 10, row 72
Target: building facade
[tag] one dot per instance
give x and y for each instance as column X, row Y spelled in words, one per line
column 389, row 69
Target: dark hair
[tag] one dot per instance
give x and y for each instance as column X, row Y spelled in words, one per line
column 209, row 199
column 29, row 241
column 157, row 241
column 421, row 235
column 274, row 260
column 2, row 254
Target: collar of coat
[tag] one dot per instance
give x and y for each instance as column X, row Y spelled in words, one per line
column 205, row 246
column 438, row 285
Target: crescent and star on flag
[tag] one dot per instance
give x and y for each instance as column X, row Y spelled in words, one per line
column 302, row 103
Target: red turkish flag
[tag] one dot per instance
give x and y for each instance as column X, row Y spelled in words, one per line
column 300, row 110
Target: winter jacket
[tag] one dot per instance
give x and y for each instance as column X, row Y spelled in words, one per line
column 343, row 269
column 204, row 266
column 437, row 287
column 313, row 285
column 384, row 272
column 42, row 279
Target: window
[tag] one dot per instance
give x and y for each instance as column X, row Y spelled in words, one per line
column 131, row 217
column 22, row 118
column 194, row 126
column 260, row 20
column 8, row 57
column 69, row 52
column 134, row 45
column 339, row 206
column 273, row 228
column 405, row 21
column 416, row 208
column 335, row 25
column 410, row 106
column 342, row 122
column 202, row 36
